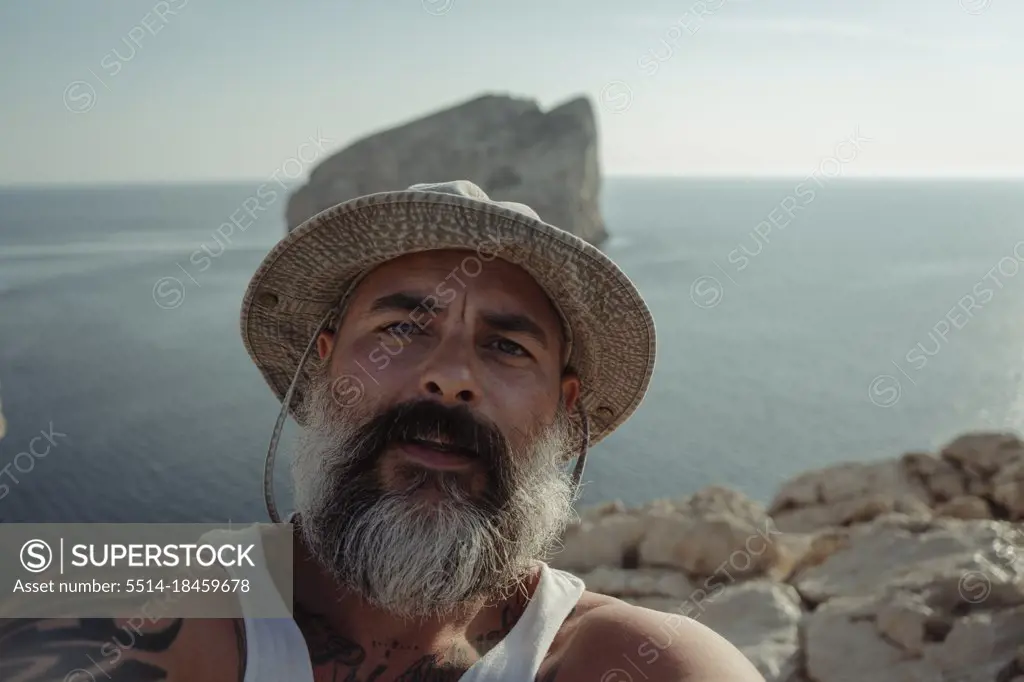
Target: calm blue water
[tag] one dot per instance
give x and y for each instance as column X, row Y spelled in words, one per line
column 166, row 419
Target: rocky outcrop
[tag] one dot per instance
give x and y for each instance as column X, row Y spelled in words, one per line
column 507, row 146
column 908, row 569
column 975, row 476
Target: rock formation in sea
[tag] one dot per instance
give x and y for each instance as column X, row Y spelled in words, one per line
column 506, row 145
column 909, row 569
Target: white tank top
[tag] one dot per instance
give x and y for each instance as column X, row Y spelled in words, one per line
column 276, row 650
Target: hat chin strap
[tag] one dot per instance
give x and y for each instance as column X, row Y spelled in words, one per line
column 289, row 396
column 581, row 458
column 286, row 403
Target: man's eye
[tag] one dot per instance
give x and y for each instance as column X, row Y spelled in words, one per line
column 509, row 347
column 404, row 328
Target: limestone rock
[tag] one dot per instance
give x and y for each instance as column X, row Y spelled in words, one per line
column 662, row 538
column 761, row 619
column 939, row 477
column 992, row 466
column 958, row 561
column 843, row 646
column 965, row 507
column 814, row 549
column 983, row 455
column 852, row 639
column 606, row 541
column 906, row 574
column 507, row 146
column 907, row 622
column 715, row 499
column 720, row 545
column 1008, row 490
column 758, row 617
column 972, row 470
column 715, row 532
column 846, row 494
column 617, row 582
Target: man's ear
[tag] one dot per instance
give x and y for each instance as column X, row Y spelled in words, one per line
column 325, row 344
column 570, row 390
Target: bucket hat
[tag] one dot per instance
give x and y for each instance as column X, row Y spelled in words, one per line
column 305, row 281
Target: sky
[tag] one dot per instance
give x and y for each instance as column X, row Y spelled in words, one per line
column 194, row 90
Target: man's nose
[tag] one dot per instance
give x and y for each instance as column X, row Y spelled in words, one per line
column 449, row 376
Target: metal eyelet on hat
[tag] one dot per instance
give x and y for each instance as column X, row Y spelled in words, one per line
column 267, row 299
column 605, row 413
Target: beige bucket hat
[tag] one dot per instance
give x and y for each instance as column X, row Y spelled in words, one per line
column 305, row 281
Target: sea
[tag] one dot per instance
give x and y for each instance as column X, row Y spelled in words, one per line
column 801, row 323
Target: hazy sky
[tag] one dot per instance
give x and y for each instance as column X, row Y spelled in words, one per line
column 219, row 89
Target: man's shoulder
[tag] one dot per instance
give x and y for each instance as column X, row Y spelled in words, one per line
column 609, row 639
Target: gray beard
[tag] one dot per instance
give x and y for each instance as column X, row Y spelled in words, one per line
column 415, row 559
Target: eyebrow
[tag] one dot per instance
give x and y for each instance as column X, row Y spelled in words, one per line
column 514, row 322
column 402, row 300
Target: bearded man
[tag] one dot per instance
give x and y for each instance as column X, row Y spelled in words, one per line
column 447, row 357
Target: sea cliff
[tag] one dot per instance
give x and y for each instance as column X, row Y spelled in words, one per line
column 508, row 146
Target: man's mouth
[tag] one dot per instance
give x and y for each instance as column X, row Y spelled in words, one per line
column 434, row 454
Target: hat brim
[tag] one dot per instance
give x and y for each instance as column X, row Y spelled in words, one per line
column 309, row 273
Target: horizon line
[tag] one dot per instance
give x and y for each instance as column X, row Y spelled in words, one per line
column 197, row 182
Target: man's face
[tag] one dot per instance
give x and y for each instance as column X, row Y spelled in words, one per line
column 431, row 469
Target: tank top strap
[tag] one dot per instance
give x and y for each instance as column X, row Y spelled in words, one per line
column 518, row 657
column 275, row 647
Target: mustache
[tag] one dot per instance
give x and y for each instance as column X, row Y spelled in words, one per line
column 454, row 428
column 428, row 422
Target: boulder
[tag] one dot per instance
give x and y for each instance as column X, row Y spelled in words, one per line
column 717, row 533
column 965, row 507
column 638, row 583
column 958, row 562
column 606, row 541
column 715, row 499
column 978, row 475
column 1008, row 490
column 992, row 467
column 719, row 545
column 939, row 477
column 983, row 455
column 886, row 639
column 506, row 145
column 847, row 494
column 761, row 619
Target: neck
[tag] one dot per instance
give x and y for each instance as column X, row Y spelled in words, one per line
column 358, row 641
